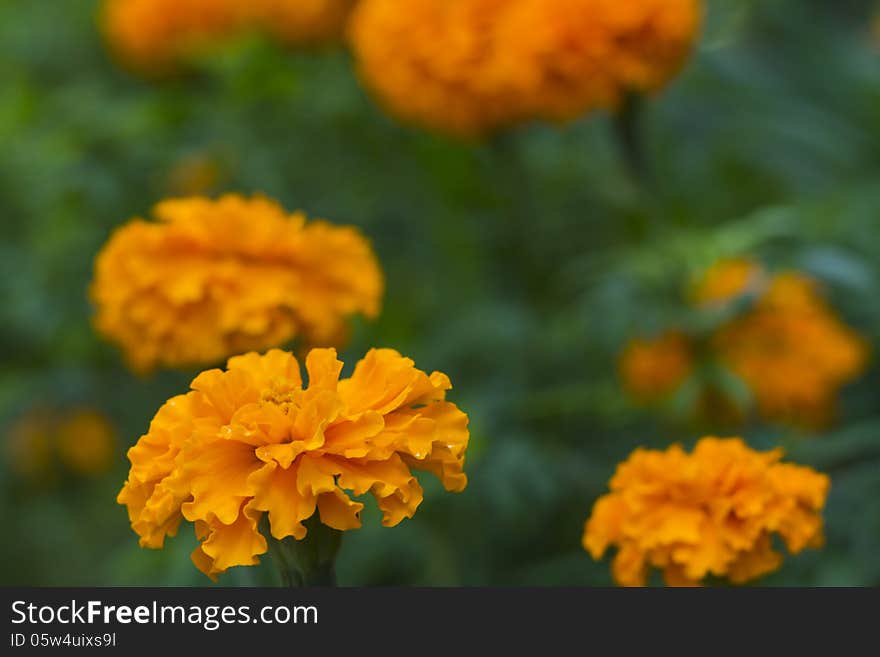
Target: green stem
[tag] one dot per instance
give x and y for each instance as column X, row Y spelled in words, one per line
column 311, row 561
column 628, row 130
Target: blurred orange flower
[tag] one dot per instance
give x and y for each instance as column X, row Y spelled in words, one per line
column 254, row 439
column 86, row 442
column 713, row 512
column 792, row 352
column 788, row 347
column 154, row 36
column 210, row 279
column 80, row 440
column 469, row 67
column 726, row 280
column 653, row 369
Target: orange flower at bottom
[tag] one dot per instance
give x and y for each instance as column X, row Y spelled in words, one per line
column 710, row 513
column 254, row 440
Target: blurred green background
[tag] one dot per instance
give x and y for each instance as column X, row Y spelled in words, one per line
column 519, row 267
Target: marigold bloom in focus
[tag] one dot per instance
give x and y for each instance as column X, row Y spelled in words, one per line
column 713, row 512
column 154, row 36
column 210, row 279
column 254, row 439
column 792, row 352
column 468, row 67
column 652, row 369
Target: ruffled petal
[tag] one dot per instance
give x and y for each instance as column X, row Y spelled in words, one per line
column 339, row 511
column 217, row 474
column 275, row 490
column 276, row 369
column 235, row 544
column 323, row 368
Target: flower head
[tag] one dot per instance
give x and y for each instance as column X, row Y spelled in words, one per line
column 469, row 67
column 210, row 279
column 80, row 440
column 86, row 442
column 726, row 280
column 155, row 36
column 255, row 440
column 792, row 352
column 713, row 512
column 151, row 36
column 786, row 345
column 652, row 369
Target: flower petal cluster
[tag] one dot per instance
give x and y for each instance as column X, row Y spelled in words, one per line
column 46, row 440
column 255, row 440
column 792, row 352
column 786, row 345
column 213, row 278
column 727, row 280
column 711, row 513
column 468, row 67
column 652, row 369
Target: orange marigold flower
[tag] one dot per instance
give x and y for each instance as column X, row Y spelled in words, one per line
column 652, row 369
column 726, row 280
column 86, row 442
column 468, row 67
column 151, row 36
column 80, row 440
column 154, row 36
column 792, row 352
column 713, row 512
column 210, row 279
column 255, row 440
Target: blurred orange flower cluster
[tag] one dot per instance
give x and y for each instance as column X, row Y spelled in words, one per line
column 710, row 513
column 210, row 279
column 653, row 369
column 469, row 67
column 81, row 441
column 256, row 440
column 788, row 347
column 251, row 454
column 154, row 36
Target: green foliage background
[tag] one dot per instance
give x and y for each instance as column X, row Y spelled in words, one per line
column 519, row 267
